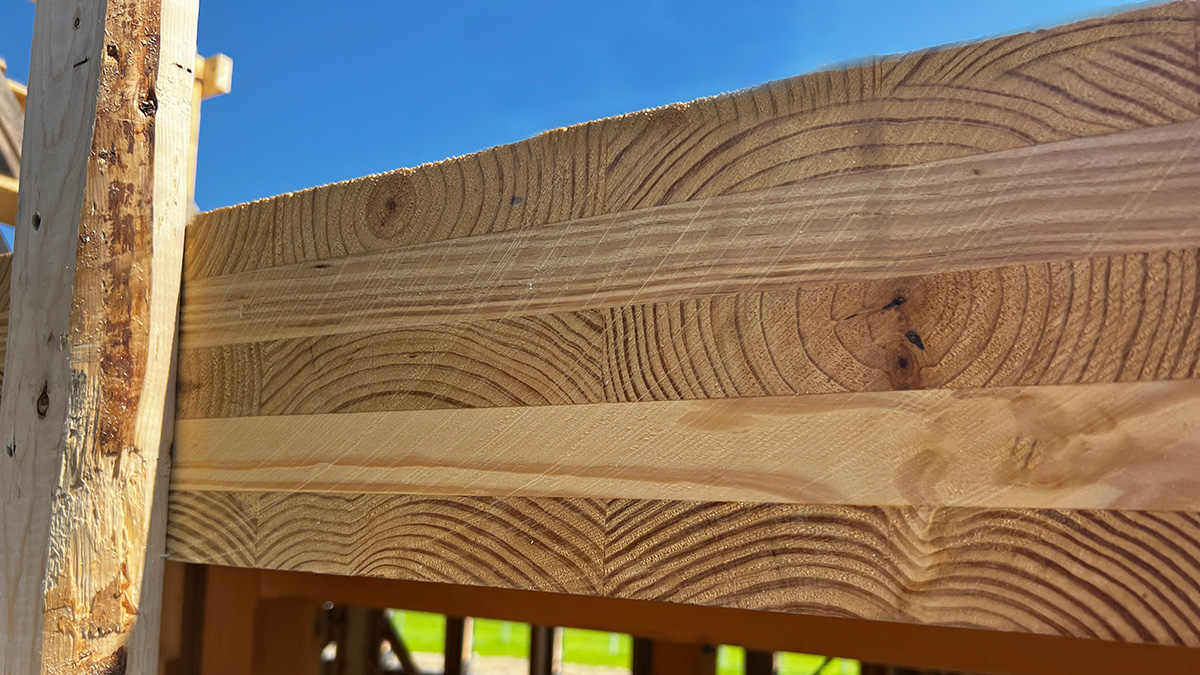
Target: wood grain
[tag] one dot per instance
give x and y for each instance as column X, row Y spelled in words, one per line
column 1096, row 574
column 545, row 543
column 1095, row 77
column 1123, row 193
column 547, row 360
column 95, row 277
column 1125, row 445
column 1112, row 319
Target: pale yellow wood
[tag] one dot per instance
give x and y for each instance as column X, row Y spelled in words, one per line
column 86, row 409
column 1124, row 193
column 1129, row 446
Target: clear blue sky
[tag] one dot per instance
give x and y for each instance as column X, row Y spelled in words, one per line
column 326, row 91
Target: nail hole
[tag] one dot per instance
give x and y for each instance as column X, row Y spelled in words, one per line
column 37, row 221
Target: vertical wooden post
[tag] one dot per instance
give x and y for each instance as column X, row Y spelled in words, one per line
column 359, row 636
column 545, row 650
column 458, row 645
column 84, row 413
column 230, row 604
column 287, row 640
column 759, row 663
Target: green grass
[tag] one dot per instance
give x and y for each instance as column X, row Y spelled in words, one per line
column 597, row 648
column 425, row 632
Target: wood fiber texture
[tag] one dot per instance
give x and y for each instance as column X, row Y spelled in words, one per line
column 1113, row 575
column 892, row 342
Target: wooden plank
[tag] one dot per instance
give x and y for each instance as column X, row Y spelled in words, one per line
column 1095, row 77
column 91, row 331
column 545, row 650
column 458, row 647
column 923, row 646
column 1125, row 445
column 1101, row 320
column 1109, row 575
column 1065, row 200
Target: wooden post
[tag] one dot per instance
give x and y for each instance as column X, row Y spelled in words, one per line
column 85, row 413
column 458, row 645
column 287, row 637
column 759, row 663
column 545, row 650
column 230, row 603
column 359, row 636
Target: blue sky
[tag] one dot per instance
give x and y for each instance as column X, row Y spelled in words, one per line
column 326, row 91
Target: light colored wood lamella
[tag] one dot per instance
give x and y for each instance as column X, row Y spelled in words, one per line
column 893, row 342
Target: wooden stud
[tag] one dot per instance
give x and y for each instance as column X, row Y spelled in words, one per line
column 458, row 646
column 759, row 662
column 86, row 412
column 358, row 633
column 230, row 605
column 545, row 650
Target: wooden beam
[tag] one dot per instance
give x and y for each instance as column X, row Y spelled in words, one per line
column 948, row 648
column 91, row 333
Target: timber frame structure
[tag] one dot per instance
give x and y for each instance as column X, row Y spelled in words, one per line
column 899, row 362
